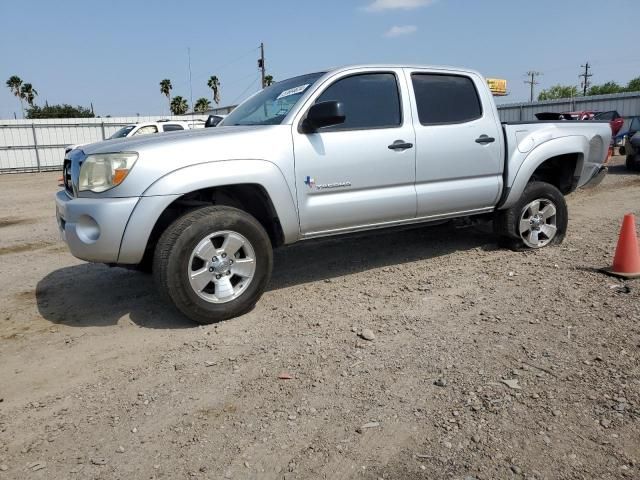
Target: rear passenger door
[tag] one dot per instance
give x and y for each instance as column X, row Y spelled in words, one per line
column 459, row 156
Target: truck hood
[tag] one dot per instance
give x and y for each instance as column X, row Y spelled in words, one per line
column 135, row 144
column 160, row 154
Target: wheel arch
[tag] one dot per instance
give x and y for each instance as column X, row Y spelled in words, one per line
column 559, row 162
column 260, row 190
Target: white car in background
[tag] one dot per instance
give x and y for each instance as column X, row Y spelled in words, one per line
column 147, row 128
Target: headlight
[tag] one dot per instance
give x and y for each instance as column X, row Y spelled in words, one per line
column 103, row 171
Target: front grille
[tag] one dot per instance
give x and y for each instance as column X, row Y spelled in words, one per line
column 66, row 176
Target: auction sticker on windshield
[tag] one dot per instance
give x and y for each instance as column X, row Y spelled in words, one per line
column 293, row 91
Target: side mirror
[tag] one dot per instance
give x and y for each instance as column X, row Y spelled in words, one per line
column 323, row 114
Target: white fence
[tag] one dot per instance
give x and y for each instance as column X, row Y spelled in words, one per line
column 38, row 145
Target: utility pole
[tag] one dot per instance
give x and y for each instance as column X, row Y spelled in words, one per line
column 261, row 63
column 532, row 81
column 585, row 83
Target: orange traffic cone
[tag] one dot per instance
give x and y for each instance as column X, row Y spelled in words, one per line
column 626, row 262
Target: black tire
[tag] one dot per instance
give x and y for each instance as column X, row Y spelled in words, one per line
column 173, row 252
column 633, row 163
column 506, row 222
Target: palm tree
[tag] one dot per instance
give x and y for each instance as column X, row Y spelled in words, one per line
column 29, row 93
column 214, row 84
column 202, row 105
column 14, row 83
column 179, row 105
column 268, row 80
column 165, row 89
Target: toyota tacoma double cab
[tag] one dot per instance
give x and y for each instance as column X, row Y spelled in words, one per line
column 327, row 153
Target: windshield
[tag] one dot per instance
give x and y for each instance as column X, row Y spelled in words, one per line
column 123, row 132
column 271, row 105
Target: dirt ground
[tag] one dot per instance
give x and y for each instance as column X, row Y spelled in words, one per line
column 485, row 363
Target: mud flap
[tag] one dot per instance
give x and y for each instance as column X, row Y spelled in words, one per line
column 597, row 178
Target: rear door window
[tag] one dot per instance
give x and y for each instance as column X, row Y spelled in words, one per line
column 444, row 99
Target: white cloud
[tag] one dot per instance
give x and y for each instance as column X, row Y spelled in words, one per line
column 380, row 5
column 399, row 30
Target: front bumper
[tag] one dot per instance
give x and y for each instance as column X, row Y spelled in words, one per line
column 93, row 228
column 597, row 177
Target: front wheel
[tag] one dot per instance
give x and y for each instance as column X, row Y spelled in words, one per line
column 539, row 218
column 213, row 263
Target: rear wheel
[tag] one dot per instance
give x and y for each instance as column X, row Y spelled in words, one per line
column 538, row 219
column 213, row 263
column 633, row 163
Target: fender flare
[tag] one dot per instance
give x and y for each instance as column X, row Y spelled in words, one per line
column 571, row 145
column 170, row 187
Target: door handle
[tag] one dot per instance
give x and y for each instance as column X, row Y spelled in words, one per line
column 485, row 139
column 400, row 145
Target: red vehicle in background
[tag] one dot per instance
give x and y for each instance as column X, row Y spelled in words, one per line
column 615, row 120
column 613, row 117
column 584, row 115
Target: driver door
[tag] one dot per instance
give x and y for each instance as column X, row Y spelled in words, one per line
column 351, row 176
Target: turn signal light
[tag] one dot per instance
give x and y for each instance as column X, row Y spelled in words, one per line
column 119, row 175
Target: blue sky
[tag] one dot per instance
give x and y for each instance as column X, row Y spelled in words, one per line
column 114, row 52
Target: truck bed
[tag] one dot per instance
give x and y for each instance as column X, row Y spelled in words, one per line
column 523, row 138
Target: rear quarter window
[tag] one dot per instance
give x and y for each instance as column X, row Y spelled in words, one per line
column 443, row 99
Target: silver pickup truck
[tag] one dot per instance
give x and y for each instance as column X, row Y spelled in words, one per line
column 353, row 148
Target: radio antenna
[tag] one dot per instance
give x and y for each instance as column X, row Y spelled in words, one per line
column 190, row 87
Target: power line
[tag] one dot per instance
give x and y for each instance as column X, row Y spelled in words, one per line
column 245, row 90
column 237, row 59
column 252, row 75
column 532, row 81
column 597, row 63
column 222, row 68
column 244, row 77
column 585, row 82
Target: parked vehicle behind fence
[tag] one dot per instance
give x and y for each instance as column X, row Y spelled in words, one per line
column 630, row 147
column 613, row 117
column 144, row 128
